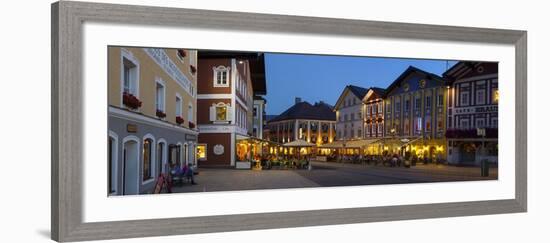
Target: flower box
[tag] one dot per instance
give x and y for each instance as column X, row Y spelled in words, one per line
column 161, row 114
column 182, row 53
column 191, row 125
column 179, row 120
column 130, row 101
column 193, row 69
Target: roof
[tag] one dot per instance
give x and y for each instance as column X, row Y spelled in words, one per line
column 378, row 91
column 304, row 110
column 409, row 70
column 464, row 69
column 360, row 92
column 255, row 59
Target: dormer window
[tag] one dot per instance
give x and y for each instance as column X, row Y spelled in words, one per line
column 221, row 74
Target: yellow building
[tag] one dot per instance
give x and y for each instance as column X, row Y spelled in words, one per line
column 415, row 115
column 152, row 115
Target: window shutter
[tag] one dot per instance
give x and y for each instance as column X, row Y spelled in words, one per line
column 212, row 113
column 229, row 113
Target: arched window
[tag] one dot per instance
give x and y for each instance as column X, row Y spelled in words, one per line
column 221, row 76
column 113, row 162
column 147, row 159
column 161, row 155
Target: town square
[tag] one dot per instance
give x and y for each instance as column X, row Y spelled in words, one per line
column 183, row 120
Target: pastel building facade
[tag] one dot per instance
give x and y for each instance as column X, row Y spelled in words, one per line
column 151, row 115
column 415, row 113
column 349, row 113
column 473, row 112
column 303, row 121
column 373, row 108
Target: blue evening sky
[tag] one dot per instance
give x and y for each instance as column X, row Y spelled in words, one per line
column 318, row 77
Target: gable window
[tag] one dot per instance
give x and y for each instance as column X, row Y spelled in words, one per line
column 221, row 74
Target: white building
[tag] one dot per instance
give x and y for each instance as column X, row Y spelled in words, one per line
column 349, row 113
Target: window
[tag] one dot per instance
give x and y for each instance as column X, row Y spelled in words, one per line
column 407, row 105
column 464, row 124
column 388, row 108
column 397, row 106
column 428, row 102
column 380, row 127
column 495, row 95
column 464, row 98
column 440, row 100
column 480, row 96
column 220, row 112
column 380, row 107
column 178, row 106
column 147, row 153
column 417, row 104
column 358, row 132
column 345, row 117
column 494, row 122
column 480, row 123
column 374, row 109
column 160, row 96
column 359, row 115
column 160, row 155
column 190, row 112
column 352, row 116
column 129, row 76
column 221, row 74
column 112, row 151
column 255, row 112
column 369, row 109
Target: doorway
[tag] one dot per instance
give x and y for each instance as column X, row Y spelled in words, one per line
column 130, row 167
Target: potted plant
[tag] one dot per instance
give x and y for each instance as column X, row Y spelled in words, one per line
column 179, row 120
column 193, row 69
column 130, row 101
column 160, row 114
column 191, row 125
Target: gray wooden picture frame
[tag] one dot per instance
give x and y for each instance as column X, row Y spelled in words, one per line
column 67, row 119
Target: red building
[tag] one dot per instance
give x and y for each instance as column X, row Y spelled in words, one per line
column 226, row 85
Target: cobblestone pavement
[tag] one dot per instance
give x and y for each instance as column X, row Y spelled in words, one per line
column 328, row 174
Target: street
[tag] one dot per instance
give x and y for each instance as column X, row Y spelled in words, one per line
column 326, row 174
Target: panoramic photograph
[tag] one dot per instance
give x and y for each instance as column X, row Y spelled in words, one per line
column 185, row 120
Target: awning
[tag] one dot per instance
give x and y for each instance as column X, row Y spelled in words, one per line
column 298, row 143
column 350, row 144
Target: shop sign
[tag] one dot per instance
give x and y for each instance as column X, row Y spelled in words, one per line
column 218, row 149
column 131, row 128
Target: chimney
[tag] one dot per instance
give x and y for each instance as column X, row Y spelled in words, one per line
column 297, row 100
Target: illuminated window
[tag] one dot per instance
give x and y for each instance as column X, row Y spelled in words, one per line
column 220, row 112
column 495, row 96
column 147, row 163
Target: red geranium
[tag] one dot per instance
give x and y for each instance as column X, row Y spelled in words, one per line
column 193, row 69
column 179, row 120
column 191, row 125
column 130, row 101
column 182, row 52
column 161, row 114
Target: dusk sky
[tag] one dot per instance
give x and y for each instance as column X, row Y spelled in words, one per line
column 317, row 77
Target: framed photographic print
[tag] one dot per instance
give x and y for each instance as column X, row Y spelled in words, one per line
column 178, row 121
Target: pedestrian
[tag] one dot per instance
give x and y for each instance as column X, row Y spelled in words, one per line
column 189, row 173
